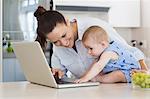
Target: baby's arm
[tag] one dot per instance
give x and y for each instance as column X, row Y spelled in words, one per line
column 143, row 65
column 98, row 66
column 144, row 68
column 140, row 58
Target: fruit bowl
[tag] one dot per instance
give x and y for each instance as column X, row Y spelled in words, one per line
column 141, row 80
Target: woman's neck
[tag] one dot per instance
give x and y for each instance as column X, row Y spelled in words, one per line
column 75, row 32
column 75, row 29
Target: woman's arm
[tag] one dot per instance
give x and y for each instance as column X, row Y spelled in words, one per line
column 98, row 66
column 57, row 67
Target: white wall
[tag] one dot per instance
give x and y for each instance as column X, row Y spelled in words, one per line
column 0, row 40
column 143, row 33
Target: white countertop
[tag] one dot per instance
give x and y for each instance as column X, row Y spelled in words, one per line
column 26, row 90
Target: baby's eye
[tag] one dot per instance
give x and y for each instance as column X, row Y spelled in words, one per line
column 90, row 48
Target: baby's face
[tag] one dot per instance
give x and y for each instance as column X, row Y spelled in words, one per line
column 94, row 48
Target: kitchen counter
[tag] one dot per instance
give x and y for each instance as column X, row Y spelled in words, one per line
column 26, row 90
column 8, row 55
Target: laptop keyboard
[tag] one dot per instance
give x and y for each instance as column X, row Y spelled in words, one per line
column 64, row 82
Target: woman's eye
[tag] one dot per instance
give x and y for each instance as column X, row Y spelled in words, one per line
column 57, row 43
column 54, row 42
column 64, row 36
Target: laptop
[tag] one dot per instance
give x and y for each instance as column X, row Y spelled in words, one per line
column 36, row 68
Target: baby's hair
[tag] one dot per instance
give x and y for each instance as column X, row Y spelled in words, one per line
column 95, row 32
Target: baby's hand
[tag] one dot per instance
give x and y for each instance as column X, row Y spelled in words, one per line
column 81, row 80
column 138, row 71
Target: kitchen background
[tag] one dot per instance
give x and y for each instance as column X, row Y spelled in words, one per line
column 130, row 18
column 0, row 40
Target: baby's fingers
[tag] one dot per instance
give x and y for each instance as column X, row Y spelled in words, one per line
column 77, row 81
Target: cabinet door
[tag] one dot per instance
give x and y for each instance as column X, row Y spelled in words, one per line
column 19, row 75
column 92, row 3
column 12, row 70
column 124, row 13
column 8, row 70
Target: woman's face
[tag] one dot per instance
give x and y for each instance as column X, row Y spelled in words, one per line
column 62, row 35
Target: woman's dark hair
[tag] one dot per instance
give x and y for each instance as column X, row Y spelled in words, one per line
column 47, row 20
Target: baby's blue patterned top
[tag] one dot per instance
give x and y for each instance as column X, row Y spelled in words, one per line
column 126, row 60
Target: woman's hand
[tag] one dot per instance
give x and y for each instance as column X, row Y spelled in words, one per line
column 59, row 72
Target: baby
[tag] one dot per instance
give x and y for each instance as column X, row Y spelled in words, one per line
column 114, row 63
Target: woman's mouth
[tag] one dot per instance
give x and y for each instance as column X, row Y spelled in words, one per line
column 67, row 44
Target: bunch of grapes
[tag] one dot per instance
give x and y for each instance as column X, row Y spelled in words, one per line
column 141, row 79
column 9, row 48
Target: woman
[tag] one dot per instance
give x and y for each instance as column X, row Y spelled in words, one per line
column 69, row 52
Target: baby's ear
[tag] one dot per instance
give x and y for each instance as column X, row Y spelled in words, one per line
column 104, row 43
column 67, row 21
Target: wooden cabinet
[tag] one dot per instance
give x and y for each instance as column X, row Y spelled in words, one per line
column 12, row 70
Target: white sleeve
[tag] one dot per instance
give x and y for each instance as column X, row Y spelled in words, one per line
column 56, row 63
column 137, row 53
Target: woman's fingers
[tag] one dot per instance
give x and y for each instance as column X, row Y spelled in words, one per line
column 60, row 73
column 54, row 71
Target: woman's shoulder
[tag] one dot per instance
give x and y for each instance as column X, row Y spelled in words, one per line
column 91, row 21
column 84, row 23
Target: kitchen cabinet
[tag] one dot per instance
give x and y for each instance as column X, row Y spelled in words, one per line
column 1, row 40
column 12, row 70
column 19, row 75
column 121, row 13
column 83, row 3
column 124, row 13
